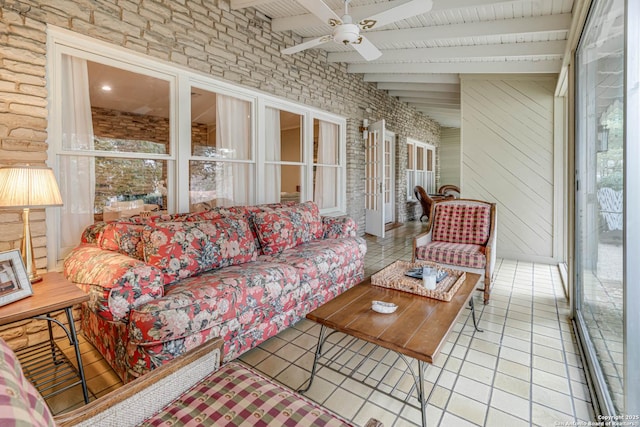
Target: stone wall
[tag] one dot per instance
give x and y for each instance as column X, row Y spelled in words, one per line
column 205, row 35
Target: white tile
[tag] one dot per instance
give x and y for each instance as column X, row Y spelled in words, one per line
column 547, row 397
column 510, row 403
column 439, row 397
column 293, row 377
column 481, row 358
column 454, row 421
column 516, row 343
column 344, row 403
column 477, row 372
column 552, row 381
column 545, row 416
column 512, row 385
column 550, row 366
column 495, row 417
column 466, row 408
column 473, row 389
column 484, row 346
column 521, row 357
column 517, row 370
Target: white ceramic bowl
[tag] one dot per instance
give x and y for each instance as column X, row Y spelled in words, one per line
column 383, row 307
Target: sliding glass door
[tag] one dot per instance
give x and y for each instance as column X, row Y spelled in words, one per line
column 603, row 208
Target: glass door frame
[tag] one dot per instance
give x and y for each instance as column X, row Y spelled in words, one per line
column 602, row 401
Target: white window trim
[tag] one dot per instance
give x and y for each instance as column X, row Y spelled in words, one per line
column 416, row 144
column 61, row 41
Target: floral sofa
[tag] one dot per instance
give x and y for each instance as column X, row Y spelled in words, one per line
column 160, row 286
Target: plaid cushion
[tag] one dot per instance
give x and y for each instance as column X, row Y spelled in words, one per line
column 462, row 223
column 453, row 253
column 20, row 402
column 235, row 395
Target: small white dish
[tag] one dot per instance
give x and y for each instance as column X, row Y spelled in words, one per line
column 383, row 307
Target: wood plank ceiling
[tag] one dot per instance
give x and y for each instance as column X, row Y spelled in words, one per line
column 424, row 56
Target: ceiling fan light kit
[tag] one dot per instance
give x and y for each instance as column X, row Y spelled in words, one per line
column 347, row 33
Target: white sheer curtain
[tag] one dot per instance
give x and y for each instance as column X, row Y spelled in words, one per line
column 326, row 178
column 233, row 141
column 77, row 173
column 272, row 178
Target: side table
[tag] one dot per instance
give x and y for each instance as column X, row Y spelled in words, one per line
column 53, row 293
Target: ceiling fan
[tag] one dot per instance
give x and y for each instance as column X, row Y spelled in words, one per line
column 348, row 33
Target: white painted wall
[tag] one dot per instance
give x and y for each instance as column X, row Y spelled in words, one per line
column 508, row 146
column 450, row 156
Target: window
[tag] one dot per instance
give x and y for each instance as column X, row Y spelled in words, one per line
column 326, row 163
column 114, row 145
column 121, row 143
column 284, row 159
column 420, row 167
column 221, row 170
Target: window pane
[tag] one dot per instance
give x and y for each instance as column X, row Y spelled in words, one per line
column 325, row 142
column 283, row 136
column 220, row 126
column 125, row 187
column 600, row 195
column 420, row 158
column 110, row 109
column 409, row 156
column 220, row 184
column 325, row 181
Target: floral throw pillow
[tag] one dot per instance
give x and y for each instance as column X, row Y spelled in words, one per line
column 286, row 228
column 184, row 249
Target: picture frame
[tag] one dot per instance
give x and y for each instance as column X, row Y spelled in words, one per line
column 14, row 282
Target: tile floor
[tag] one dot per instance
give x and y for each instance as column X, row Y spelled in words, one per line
column 524, row 369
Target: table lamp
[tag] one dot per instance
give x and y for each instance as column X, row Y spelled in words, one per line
column 28, row 187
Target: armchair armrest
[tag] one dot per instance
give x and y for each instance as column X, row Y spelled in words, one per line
column 490, row 249
column 125, row 282
column 420, row 240
column 339, row 227
column 134, row 402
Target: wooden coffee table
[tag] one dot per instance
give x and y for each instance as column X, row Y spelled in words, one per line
column 417, row 329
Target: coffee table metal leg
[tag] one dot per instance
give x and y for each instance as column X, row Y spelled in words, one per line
column 421, row 397
column 76, row 346
column 321, row 338
column 473, row 315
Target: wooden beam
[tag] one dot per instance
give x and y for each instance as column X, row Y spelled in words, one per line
column 502, row 67
column 532, row 25
column 431, row 95
column 431, row 105
column 513, row 50
column 422, row 87
column 413, row 78
column 358, row 13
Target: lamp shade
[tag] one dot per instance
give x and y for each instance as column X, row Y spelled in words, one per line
column 28, row 186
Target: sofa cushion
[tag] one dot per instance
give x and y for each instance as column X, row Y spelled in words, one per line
column 118, row 282
column 199, row 303
column 286, row 228
column 319, row 257
column 237, row 395
column 464, row 255
column 183, row 249
column 467, row 223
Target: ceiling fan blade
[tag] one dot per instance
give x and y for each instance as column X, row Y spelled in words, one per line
column 398, row 13
column 367, row 49
column 321, row 10
column 306, row 45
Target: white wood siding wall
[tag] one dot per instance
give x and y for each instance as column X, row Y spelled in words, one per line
column 450, row 156
column 507, row 157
